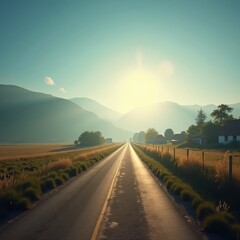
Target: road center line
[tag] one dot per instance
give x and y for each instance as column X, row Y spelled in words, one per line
column 100, row 218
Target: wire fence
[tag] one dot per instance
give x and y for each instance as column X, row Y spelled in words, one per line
column 226, row 163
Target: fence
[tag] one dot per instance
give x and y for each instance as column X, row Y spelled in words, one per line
column 225, row 163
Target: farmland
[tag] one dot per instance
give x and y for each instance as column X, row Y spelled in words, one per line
column 35, row 170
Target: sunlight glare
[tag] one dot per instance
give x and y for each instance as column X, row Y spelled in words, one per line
column 140, row 89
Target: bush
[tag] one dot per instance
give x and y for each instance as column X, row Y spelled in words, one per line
column 48, row 184
column 32, row 194
column 73, row 172
column 177, row 188
column 205, row 209
column 187, row 195
column 83, row 167
column 217, row 224
column 59, row 181
column 196, row 201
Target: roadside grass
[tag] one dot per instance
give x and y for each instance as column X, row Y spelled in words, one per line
column 211, row 215
column 23, row 181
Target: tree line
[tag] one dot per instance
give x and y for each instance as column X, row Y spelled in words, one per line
column 208, row 129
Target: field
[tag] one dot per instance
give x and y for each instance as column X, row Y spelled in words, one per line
column 29, row 171
column 31, row 150
column 207, row 159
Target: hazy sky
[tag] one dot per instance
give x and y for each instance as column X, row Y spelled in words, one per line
column 122, row 53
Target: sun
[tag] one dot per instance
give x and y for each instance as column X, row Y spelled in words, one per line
column 140, row 89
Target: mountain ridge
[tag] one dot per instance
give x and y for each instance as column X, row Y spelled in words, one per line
column 29, row 117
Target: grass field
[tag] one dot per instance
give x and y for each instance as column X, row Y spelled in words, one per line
column 31, row 150
column 206, row 158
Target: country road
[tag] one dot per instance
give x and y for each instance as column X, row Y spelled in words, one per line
column 138, row 208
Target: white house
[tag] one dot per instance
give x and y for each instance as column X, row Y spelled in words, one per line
column 230, row 132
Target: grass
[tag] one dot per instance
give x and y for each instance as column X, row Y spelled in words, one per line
column 24, row 180
column 212, row 217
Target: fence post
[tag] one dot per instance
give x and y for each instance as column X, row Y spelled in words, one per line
column 174, row 153
column 187, row 154
column 230, row 158
column 203, row 164
column 162, row 149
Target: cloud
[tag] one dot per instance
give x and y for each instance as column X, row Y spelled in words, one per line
column 62, row 90
column 166, row 69
column 49, row 81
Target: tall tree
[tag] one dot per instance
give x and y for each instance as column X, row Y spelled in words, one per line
column 200, row 119
column 222, row 114
column 168, row 134
column 151, row 135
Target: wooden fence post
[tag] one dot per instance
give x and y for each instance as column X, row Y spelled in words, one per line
column 230, row 158
column 203, row 164
column 187, row 154
column 174, row 153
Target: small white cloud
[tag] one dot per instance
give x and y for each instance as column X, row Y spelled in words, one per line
column 49, row 81
column 166, row 69
column 62, row 90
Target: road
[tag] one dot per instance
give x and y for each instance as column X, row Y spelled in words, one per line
column 137, row 207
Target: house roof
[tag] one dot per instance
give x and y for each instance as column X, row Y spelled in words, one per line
column 178, row 136
column 230, row 128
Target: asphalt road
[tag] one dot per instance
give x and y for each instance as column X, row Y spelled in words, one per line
column 137, row 208
column 140, row 209
column 70, row 213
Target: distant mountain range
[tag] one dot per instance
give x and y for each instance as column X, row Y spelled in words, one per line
column 165, row 115
column 28, row 117
column 97, row 108
column 31, row 117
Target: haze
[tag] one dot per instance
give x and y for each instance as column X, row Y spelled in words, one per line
column 123, row 54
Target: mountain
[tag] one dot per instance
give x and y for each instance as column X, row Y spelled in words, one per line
column 29, row 117
column 97, row 108
column 165, row 115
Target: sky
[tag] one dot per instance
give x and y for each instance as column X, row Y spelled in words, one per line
column 123, row 54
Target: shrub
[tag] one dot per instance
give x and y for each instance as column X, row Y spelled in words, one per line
column 83, row 167
column 73, row 172
column 48, row 184
column 177, row 188
column 205, row 209
column 187, row 195
column 196, row 201
column 32, row 194
column 59, row 181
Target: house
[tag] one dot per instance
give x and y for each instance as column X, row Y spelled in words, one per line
column 230, row 132
column 197, row 140
column 178, row 138
column 159, row 139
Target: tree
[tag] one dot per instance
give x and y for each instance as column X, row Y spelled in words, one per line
column 91, row 138
column 151, row 135
column 168, row 134
column 193, row 131
column 135, row 137
column 211, row 130
column 222, row 114
column 200, row 119
column 141, row 137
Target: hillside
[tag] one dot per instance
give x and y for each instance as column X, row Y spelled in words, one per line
column 165, row 115
column 97, row 108
column 29, row 117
